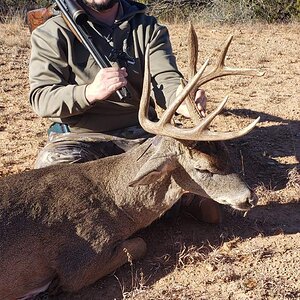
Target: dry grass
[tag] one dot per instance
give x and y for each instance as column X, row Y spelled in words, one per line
column 268, row 195
column 294, row 179
column 14, row 24
column 189, row 255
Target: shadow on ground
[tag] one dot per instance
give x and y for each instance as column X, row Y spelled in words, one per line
column 167, row 238
column 258, row 155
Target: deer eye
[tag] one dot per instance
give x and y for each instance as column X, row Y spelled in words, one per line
column 204, row 171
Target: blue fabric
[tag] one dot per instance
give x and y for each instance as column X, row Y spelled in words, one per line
column 58, row 128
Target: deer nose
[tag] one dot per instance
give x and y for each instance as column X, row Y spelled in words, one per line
column 252, row 200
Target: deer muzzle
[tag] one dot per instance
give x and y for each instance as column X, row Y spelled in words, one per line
column 230, row 190
column 246, row 204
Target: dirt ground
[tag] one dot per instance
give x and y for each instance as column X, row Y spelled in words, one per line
column 252, row 257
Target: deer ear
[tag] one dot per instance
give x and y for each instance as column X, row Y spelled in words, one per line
column 153, row 170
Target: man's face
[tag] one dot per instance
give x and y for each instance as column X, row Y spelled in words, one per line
column 100, row 5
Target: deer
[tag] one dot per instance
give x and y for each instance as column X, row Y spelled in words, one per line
column 68, row 226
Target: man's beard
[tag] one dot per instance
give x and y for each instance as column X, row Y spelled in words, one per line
column 101, row 7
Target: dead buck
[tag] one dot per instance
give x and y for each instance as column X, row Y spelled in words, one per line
column 72, row 224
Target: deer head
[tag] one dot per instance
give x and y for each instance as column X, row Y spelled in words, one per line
column 200, row 164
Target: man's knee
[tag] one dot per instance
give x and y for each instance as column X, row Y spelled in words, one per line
column 65, row 152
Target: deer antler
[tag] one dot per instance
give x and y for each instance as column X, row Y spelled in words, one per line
column 200, row 131
column 219, row 71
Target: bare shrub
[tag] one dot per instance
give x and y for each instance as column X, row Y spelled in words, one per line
column 175, row 11
column 230, row 11
column 276, row 10
column 227, row 11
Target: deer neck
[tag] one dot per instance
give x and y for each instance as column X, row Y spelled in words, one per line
column 143, row 203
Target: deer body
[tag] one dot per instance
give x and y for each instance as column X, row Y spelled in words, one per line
column 72, row 222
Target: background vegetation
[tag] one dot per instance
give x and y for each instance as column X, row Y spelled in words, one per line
column 229, row 11
column 226, row 10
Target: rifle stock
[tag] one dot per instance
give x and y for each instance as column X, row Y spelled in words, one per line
column 38, row 16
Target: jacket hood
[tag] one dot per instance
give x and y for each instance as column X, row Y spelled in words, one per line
column 132, row 8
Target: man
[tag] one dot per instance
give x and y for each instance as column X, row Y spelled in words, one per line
column 70, row 89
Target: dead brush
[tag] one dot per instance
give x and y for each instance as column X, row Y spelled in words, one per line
column 189, row 255
column 220, row 11
column 139, row 285
column 221, row 255
column 138, row 280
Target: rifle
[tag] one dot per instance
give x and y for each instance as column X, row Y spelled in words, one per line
column 76, row 18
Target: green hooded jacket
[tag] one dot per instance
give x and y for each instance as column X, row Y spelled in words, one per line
column 61, row 68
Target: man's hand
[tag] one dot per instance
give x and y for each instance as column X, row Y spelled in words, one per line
column 106, row 82
column 200, row 100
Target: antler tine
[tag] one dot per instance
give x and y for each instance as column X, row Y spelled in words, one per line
column 168, row 114
column 209, row 118
column 192, row 51
column 221, row 70
column 200, row 132
column 223, row 136
column 192, row 63
column 145, row 98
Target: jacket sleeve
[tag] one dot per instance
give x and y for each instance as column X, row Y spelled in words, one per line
column 164, row 71
column 51, row 94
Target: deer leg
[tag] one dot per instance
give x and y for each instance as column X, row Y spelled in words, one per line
column 202, row 209
column 102, row 264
